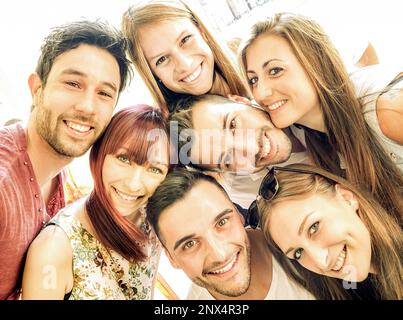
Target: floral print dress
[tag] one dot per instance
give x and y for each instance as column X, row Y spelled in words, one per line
column 102, row 274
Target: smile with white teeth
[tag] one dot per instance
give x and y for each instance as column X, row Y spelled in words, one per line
column 125, row 196
column 78, row 127
column 227, row 267
column 276, row 105
column 340, row 260
column 194, row 75
column 266, row 147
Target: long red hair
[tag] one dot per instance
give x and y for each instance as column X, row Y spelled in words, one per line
column 129, row 128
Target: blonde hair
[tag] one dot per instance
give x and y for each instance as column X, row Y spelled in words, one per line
column 367, row 164
column 159, row 10
column 386, row 235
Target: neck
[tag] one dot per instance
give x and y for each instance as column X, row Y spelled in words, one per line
column 46, row 162
column 220, row 86
column 296, row 145
column 314, row 120
column 260, row 269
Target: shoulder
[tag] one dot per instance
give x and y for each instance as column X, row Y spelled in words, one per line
column 389, row 110
column 372, row 79
column 48, row 270
column 51, row 246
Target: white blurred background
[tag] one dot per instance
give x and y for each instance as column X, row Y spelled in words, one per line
column 23, row 25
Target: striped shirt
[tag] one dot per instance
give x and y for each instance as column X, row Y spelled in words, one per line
column 23, row 211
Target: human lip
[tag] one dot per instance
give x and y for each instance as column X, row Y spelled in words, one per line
column 227, row 267
column 267, row 148
column 126, row 196
column 341, row 259
column 194, row 75
column 78, row 127
column 276, row 105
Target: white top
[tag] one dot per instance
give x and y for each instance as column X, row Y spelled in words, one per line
column 281, row 288
column 369, row 83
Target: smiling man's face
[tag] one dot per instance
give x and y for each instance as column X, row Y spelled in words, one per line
column 236, row 137
column 204, row 235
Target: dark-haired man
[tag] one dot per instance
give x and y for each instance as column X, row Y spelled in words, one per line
column 80, row 73
column 236, row 139
column 203, row 234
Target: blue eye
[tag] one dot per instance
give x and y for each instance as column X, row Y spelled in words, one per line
column 297, row 254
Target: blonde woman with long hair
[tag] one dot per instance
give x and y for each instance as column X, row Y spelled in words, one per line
column 176, row 54
column 323, row 230
column 298, row 77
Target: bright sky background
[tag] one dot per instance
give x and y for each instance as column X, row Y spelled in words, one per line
column 23, row 25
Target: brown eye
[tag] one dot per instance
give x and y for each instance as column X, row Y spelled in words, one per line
column 275, row 71
column 160, row 60
column 252, row 81
column 222, row 222
column 297, row 254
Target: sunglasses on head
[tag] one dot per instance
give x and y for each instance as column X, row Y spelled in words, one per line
column 268, row 190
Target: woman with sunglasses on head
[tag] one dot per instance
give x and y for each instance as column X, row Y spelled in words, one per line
column 101, row 247
column 298, row 77
column 323, row 230
column 176, row 55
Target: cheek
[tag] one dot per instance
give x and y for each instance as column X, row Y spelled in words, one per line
column 192, row 265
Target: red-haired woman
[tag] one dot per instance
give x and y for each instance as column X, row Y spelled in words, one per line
column 101, row 247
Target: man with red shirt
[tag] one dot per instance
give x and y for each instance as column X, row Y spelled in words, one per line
column 80, row 73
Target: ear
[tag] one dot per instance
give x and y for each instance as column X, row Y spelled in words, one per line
column 35, row 86
column 171, row 260
column 239, row 99
column 347, row 196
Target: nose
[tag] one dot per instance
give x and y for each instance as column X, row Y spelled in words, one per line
column 216, row 247
column 135, row 181
column 263, row 91
column 319, row 257
column 183, row 62
column 86, row 104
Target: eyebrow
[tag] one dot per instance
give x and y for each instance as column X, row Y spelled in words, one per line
column 216, row 219
column 264, row 65
column 301, row 228
column 75, row 72
column 162, row 53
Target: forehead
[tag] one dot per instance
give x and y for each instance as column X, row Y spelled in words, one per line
column 89, row 60
column 193, row 214
column 211, row 115
column 156, row 35
column 268, row 46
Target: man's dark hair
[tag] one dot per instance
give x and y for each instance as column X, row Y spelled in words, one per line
column 71, row 35
column 174, row 188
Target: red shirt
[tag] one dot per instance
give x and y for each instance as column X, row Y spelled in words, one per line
column 22, row 208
